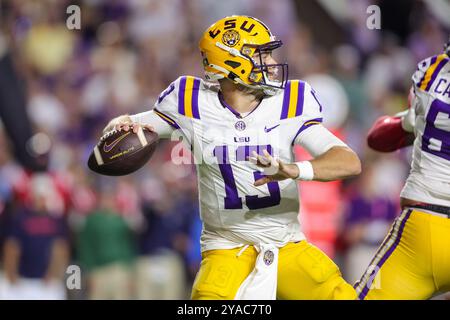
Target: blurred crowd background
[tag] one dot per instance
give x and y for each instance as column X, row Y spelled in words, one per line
column 137, row 237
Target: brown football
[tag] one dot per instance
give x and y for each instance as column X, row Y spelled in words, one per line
column 120, row 153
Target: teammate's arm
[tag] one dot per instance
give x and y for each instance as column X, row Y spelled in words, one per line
column 333, row 159
column 390, row 133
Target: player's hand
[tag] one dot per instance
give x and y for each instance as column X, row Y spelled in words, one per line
column 274, row 169
column 124, row 123
column 126, row 126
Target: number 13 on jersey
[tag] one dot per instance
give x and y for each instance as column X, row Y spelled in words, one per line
column 232, row 199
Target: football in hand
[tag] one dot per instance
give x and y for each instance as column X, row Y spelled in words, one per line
column 120, row 153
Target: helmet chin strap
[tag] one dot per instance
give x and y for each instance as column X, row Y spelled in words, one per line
column 270, row 91
column 215, row 76
column 233, row 51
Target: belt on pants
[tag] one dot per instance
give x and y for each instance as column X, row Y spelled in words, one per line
column 432, row 207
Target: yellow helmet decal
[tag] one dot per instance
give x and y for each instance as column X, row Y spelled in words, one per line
column 228, row 46
column 231, row 38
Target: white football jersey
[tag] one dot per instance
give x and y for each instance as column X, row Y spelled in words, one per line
column 235, row 212
column 429, row 178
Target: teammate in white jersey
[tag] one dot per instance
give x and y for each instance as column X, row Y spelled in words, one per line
column 241, row 126
column 414, row 260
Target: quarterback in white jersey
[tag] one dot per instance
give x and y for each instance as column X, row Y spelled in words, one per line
column 241, row 131
column 414, row 261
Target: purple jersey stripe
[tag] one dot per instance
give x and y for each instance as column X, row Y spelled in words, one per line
column 306, row 125
column 287, row 95
column 181, row 108
column 366, row 289
column 195, row 93
column 300, row 98
column 436, row 72
column 317, row 100
column 167, row 119
column 433, row 60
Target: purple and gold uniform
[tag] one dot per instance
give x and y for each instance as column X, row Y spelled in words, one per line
column 252, row 244
column 237, row 215
column 413, row 261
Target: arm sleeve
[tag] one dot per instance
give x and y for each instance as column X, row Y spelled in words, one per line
column 409, row 115
column 408, row 119
column 311, row 111
column 163, row 116
column 162, row 127
column 317, row 140
column 312, row 135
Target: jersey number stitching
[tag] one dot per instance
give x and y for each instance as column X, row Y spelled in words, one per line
column 436, row 140
column 232, row 199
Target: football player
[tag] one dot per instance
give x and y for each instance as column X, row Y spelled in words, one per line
column 242, row 125
column 413, row 262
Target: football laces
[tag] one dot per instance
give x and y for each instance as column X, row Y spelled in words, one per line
column 108, row 134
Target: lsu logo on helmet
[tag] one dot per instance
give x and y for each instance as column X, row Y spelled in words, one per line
column 231, row 38
column 229, row 48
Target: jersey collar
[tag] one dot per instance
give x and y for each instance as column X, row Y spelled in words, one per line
column 237, row 114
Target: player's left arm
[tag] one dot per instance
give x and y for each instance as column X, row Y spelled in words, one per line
column 337, row 163
column 333, row 159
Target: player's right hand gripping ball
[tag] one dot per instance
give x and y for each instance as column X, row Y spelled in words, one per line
column 122, row 152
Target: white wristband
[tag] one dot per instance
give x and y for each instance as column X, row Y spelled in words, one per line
column 306, row 170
